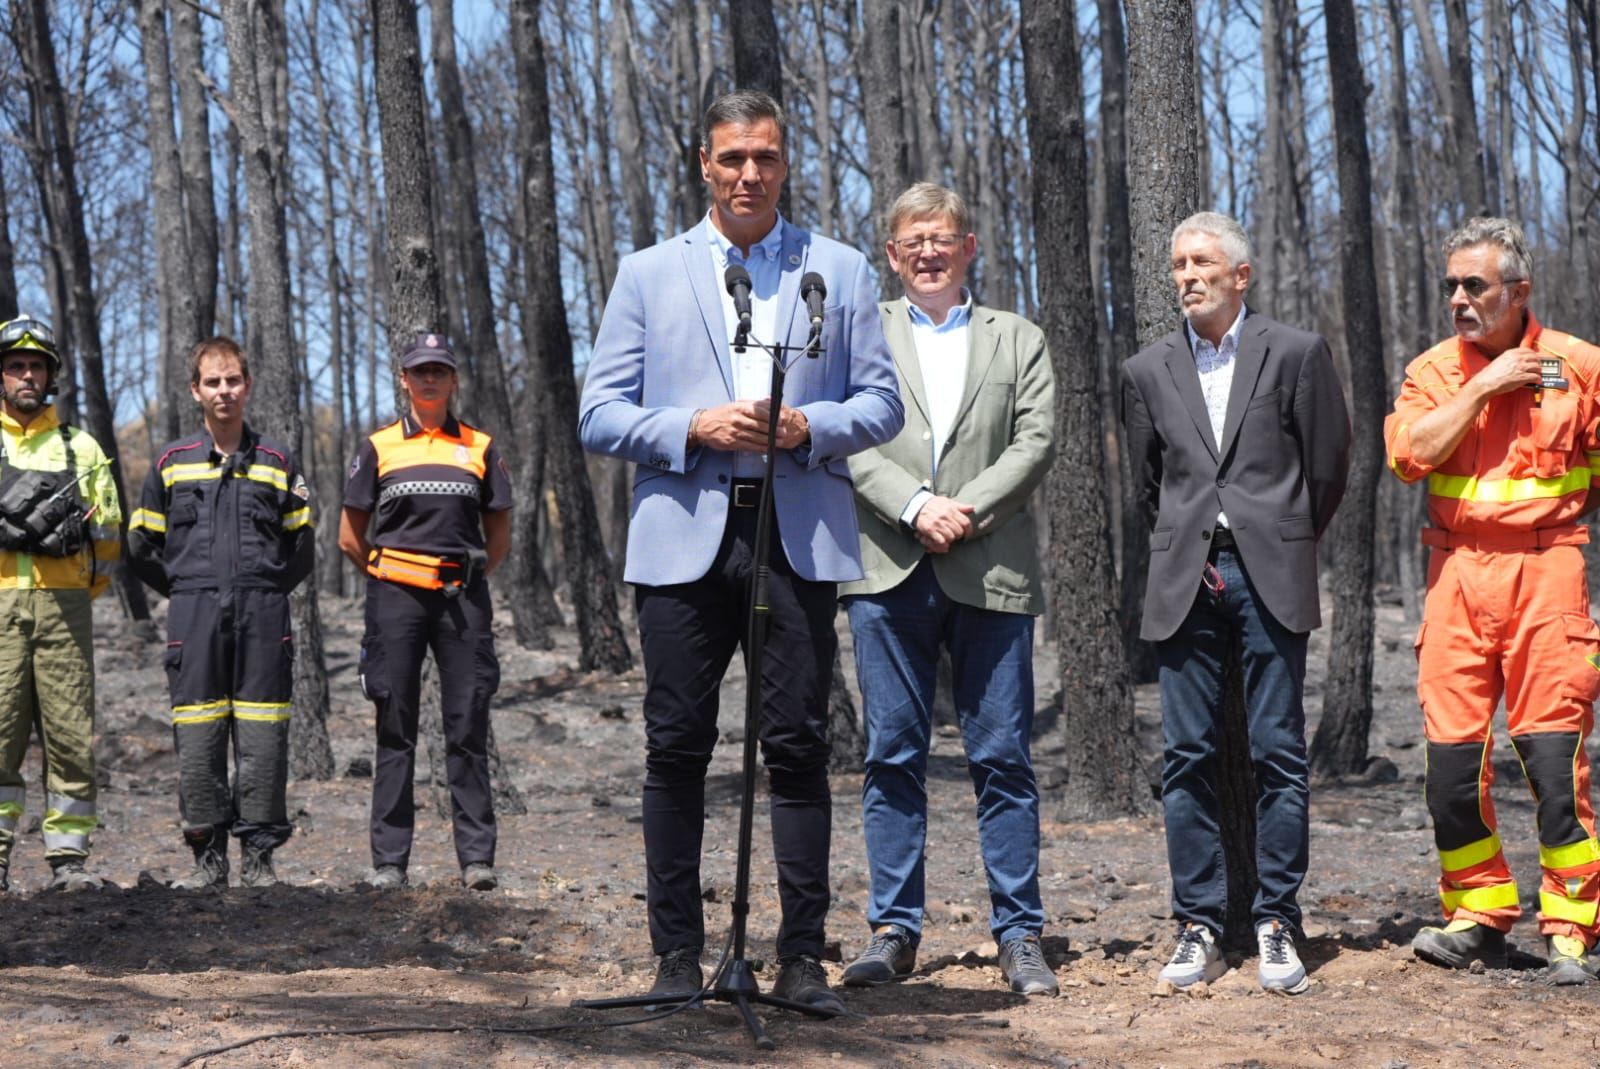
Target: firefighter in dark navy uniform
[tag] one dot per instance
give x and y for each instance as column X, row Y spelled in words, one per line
column 223, row 528
column 436, row 495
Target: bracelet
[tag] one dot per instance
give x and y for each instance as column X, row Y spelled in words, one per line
column 694, row 427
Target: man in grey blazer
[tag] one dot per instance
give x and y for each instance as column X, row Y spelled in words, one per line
column 668, row 390
column 950, row 554
column 1239, row 445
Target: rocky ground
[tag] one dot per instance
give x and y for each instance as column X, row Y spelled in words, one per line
column 135, row 974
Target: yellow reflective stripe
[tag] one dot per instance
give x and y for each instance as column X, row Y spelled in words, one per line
column 274, row 477
column 149, row 519
column 200, row 718
column 1471, row 488
column 1464, row 857
column 188, row 473
column 301, row 517
column 1561, row 908
column 1582, row 852
column 267, row 711
column 202, row 711
column 1594, row 464
column 1481, row 899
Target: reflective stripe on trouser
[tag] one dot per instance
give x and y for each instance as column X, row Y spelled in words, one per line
column 402, row 624
column 47, row 681
column 1515, row 623
column 230, row 671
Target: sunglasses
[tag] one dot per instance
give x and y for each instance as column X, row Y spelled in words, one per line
column 17, row 329
column 1476, row 287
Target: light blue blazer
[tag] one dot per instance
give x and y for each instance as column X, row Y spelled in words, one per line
column 662, row 353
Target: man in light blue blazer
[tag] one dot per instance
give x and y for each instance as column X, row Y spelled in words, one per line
column 668, row 389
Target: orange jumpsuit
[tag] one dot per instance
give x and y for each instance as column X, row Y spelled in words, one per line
column 1507, row 612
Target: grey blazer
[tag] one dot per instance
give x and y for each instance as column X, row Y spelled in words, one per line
column 1279, row 474
column 999, row 449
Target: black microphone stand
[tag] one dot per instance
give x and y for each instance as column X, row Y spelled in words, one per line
column 735, row 983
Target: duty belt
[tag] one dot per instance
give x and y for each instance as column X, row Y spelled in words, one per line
column 425, row 571
column 1506, row 541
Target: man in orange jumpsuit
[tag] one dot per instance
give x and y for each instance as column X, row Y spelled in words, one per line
column 1501, row 420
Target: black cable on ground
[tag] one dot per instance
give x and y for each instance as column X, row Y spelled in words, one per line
column 498, row 1030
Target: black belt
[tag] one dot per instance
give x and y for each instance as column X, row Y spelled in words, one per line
column 746, row 493
column 1222, row 538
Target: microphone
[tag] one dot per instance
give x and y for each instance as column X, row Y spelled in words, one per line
column 814, row 291
column 737, row 279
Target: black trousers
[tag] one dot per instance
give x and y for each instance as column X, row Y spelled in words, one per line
column 688, row 633
column 230, row 673
column 402, row 624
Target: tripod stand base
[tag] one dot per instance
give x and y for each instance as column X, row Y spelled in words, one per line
column 735, row 985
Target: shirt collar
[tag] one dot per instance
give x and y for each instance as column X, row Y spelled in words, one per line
column 959, row 316
column 770, row 246
column 1530, row 338
column 247, row 446
column 1233, row 332
column 449, row 429
column 46, row 420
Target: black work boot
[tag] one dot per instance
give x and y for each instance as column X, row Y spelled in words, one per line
column 69, row 874
column 1460, row 943
column 255, row 867
column 210, row 846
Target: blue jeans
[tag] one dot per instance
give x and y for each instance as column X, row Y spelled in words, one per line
column 897, row 638
column 1274, row 667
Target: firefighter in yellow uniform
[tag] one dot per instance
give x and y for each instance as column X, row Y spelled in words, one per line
column 59, row 522
column 436, row 496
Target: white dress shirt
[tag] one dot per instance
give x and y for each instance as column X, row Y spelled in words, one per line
column 1215, row 365
column 942, row 354
column 752, row 369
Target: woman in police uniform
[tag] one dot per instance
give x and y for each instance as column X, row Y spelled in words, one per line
column 436, row 496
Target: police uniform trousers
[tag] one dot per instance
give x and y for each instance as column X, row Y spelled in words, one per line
column 230, row 669
column 1516, row 623
column 688, row 632
column 403, row 622
column 47, row 682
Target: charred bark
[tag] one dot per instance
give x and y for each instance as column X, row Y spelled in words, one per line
column 1340, row 744
column 1103, row 773
column 594, row 600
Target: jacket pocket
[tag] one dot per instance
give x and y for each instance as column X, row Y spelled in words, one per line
column 1552, row 435
column 1160, row 539
column 1296, row 529
column 1583, row 667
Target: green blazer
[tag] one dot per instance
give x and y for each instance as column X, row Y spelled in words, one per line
column 1000, row 446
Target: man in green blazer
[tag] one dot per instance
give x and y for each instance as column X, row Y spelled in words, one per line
column 949, row 549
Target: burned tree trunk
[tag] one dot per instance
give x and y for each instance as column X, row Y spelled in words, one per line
column 178, row 316
column 1340, row 744
column 1104, row 777
column 594, row 599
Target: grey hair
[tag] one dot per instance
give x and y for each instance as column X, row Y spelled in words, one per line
column 926, row 199
column 1503, row 234
column 1226, row 229
column 745, row 107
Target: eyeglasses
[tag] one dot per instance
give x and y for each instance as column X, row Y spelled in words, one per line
column 1476, row 287
column 22, row 327
column 940, row 242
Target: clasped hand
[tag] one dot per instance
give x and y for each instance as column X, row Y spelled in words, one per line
column 741, row 427
column 942, row 522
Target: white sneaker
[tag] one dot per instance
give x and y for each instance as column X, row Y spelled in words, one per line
column 1196, row 958
column 1280, row 965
